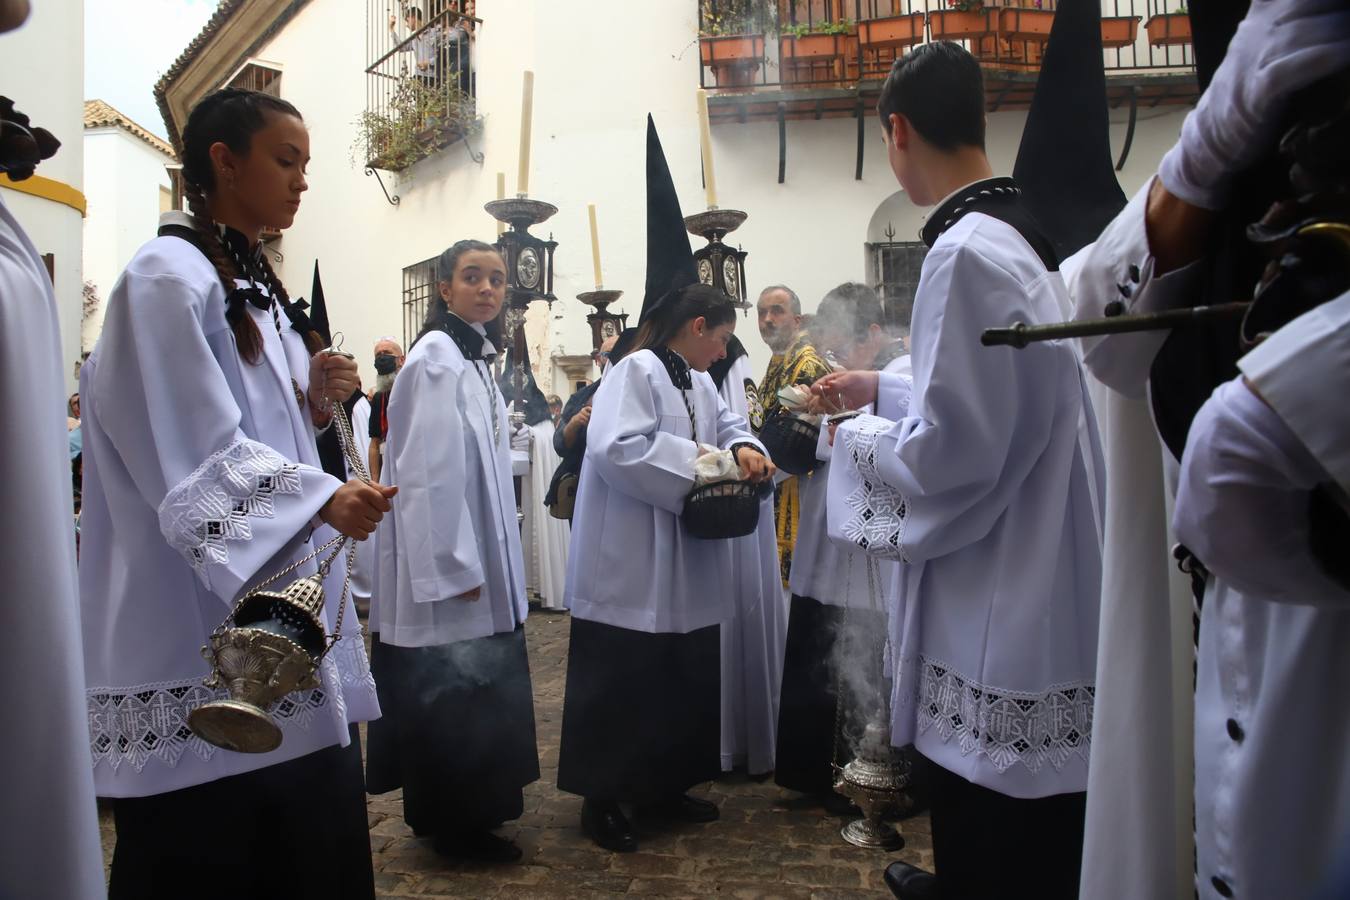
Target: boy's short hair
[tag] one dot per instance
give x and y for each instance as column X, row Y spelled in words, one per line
column 852, row 308
column 939, row 88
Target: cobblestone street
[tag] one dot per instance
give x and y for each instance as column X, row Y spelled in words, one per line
column 768, row 843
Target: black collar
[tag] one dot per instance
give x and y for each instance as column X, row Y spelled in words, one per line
column 676, row 367
column 466, row 338
column 248, row 255
column 998, row 198
column 990, row 192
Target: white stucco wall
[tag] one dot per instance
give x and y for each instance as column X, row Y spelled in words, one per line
column 591, row 101
column 42, row 69
column 122, row 177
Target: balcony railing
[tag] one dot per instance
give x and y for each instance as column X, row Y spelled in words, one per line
column 419, row 83
column 748, row 46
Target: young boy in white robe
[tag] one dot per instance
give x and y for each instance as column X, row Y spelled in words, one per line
column 201, row 478
column 641, row 713
column 838, row 613
column 449, row 603
column 991, row 482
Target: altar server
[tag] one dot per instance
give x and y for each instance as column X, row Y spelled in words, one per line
column 838, row 611
column 988, row 488
column 201, row 478
column 640, row 718
column 458, row 734
column 754, row 634
column 51, row 846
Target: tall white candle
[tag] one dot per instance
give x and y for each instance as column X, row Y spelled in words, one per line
column 501, row 195
column 595, row 246
column 526, row 122
column 705, row 142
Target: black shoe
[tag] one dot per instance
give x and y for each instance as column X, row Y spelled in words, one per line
column 910, row 882
column 478, row 846
column 606, row 824
column 685, row 808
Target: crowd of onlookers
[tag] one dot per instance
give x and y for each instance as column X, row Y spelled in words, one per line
column 440, row 42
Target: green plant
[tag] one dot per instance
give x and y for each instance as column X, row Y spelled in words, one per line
column 719, row 17
column 418, row 120
column 966, row 5
column 843, row 26
column 1181, row 10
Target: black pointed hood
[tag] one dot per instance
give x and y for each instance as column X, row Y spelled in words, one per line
column 318, row 309
column 1064, row 165
column 670, row 260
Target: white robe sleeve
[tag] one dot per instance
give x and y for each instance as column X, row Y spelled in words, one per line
column 427, row 440
column 226, row 502
column 1242, row 503
column 627, row 449
column 1120, row 267
column 955, row 457
column 732, row 428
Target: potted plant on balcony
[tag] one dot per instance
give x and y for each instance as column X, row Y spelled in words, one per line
column 806, row 52
column 962, row 20
column 1170, row 29
column 1030, row 23
column 891, row 31
column 1119, row 32
column 418, row 120
column 731, row 39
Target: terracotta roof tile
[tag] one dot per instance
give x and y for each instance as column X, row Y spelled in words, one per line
column 224, row 11
column 98, row 114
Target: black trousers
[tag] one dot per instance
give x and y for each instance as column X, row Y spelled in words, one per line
column 297, row 829
column 989, row 846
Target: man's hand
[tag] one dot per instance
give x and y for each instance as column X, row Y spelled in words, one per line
column 356, row 508
column 840, row 391
column 1281, row 47
column 332, row 377
column 755, row 466
column 393, row 21
column 521, row 438
column 575, row 425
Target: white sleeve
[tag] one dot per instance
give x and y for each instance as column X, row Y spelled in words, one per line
column 626, row 447
column 226, row 502
column 431, row 513
column 1120, row 267
column 1297, row 368
column 954, row 457
column 732, row 428
column 1242, row 502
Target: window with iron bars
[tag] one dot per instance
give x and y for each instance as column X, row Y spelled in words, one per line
column 893, row 270
column 419, row 286
column 419, row 79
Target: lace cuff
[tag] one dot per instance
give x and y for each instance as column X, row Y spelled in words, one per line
column 873, row 516
column 1007, row 727
column 213, row 505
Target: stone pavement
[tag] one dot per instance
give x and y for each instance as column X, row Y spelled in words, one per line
column 768, row 843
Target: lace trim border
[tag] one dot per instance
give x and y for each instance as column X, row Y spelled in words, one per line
column 148, row 722
column 214, row 504
column 877, row 522
column 1007, row 727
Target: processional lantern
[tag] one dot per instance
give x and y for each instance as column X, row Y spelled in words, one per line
column 604, row 324
column 718, row 264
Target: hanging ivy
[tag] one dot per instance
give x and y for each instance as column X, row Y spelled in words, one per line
column 419, row 119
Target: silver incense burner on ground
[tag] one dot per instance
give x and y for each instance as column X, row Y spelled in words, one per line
column 876, row 782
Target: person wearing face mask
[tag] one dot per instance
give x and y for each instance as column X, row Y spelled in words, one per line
column 388, row 360
column 642, row 709
column 449, row 606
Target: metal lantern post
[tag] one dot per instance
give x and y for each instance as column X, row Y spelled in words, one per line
column 718, row 264
column 604, row 324
column 529, row 277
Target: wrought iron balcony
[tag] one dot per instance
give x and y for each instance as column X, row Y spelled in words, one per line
column 818, row 58
column 419, row 83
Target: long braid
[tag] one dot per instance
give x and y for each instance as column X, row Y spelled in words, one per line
column 230, row 116
column 313, row 340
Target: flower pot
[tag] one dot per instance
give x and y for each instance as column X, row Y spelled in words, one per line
column 734, row 58
column 1119, row 32
column 1169, row 29
column 812, row 57
column 1025, row 24
column 892, row 31
column 961, row 24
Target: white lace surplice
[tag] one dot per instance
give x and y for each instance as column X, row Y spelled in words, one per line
column 987, row 489
column 546, row 538
column 201, row 478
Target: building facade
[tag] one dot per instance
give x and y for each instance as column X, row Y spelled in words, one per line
column 796, row 144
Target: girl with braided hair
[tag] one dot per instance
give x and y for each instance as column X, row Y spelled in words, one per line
column 202, row 402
